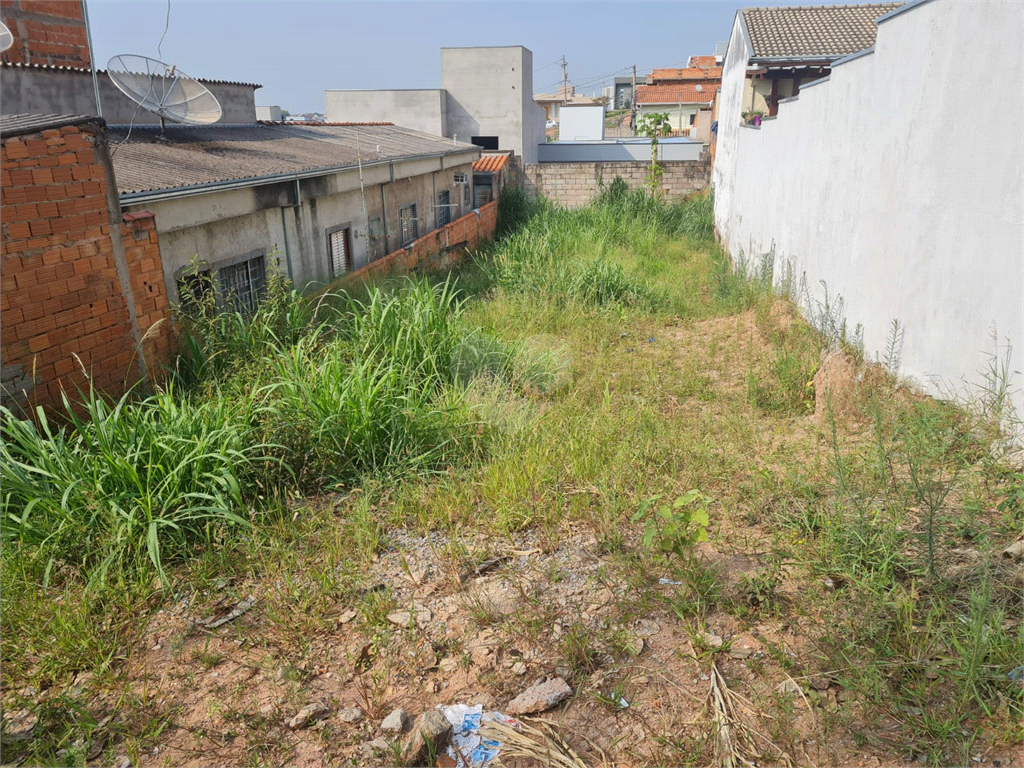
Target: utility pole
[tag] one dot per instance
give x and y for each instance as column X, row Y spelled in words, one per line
column 565, row 81
column 632, row 98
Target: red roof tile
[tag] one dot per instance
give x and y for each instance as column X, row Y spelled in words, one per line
column 490, row 163
column 672, row 94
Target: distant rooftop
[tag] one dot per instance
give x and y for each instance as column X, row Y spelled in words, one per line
column 827, row 31
column 683, row 93
column 86, row 70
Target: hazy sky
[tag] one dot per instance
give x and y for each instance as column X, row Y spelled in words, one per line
column 298, row 49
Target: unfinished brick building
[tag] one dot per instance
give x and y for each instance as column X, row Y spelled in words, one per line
column 82, row 293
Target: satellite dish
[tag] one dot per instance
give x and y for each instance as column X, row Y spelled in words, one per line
column 698, row 87
column 164, row 90
column 6, row 38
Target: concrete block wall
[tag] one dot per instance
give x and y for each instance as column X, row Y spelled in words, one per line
column 440, row 249
column 63, row 269
column 575, row 184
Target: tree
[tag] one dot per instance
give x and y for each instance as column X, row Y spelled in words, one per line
column 653, row 126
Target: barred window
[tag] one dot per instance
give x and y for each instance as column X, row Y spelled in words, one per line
column 444, row 211
column 242, row 285
column 407, row 223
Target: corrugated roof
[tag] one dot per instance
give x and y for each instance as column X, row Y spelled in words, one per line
column 86, row 70
column 828, row 31
column 686, row 73
column 490, row 163
column 686, row 93
column 16, row 125
column 189, row 156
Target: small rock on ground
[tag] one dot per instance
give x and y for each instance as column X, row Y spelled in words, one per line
column 352, row 715
column 395, row 722
column 419, row 614
column 539, row 697
column 308, row 714
column 430, row 734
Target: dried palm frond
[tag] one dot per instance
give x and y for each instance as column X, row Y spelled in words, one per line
column 733, row 742
column 543, row 747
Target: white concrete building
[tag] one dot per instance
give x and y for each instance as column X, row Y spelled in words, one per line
column 581, row 122
column 486, row 98
column 860, row 183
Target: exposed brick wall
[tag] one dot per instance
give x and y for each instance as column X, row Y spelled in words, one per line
column 149, row 290
column 46, row 32
column 440, row 249
column 61, row 293
column 576, row 184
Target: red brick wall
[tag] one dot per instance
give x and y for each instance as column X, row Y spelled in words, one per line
column 439, row 249
column 46, row 32
column 60, row 290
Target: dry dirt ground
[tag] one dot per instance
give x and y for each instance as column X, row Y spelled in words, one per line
column 428, row 631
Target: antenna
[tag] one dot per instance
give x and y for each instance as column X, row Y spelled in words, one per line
column 6, row 38
column 164, row 90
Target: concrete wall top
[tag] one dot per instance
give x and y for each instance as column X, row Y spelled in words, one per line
column 419, row 110
column 581, row 122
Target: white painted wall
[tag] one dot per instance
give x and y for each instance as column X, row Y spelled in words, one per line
column 582, row 122
column 418, row 110
column 893, row 188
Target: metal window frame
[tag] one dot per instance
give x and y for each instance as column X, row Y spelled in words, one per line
column 414, row 219
column 249, row 301
column 443, row 217
column 350, row 257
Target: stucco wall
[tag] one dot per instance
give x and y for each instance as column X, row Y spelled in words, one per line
column 610, row 151
column 418, row 110
column 218, row 227
column 582, row 123
column 70, row 92
column 867, row 183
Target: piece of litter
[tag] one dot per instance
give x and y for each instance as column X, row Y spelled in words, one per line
column 467, row 749
column 650, row 340
column 623, row 704
column 669, row 581
column 238, row 610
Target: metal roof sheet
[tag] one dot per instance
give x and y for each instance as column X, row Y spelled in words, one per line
column 190, row 156
column 816, row 30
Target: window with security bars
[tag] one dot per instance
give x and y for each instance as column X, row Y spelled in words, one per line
column 338, row 241
column 407, row 224
column 444, row 211
column 242, row 285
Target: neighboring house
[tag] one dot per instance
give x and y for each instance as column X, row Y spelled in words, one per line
column 82, row 291
column 485, row 98
column 773, row 51
column 314, row 201
column 693, row 75
column 552, row 103
column 47, row 70
column 624, row 91
column 681, row 102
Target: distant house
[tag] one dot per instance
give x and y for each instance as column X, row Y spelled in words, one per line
column 311, row 201
column 485, row 98
column 624, row 91
column 682, row 102
column 552, row 103
column 784, row 48
column 691, row 74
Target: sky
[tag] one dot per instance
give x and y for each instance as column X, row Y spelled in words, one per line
column 298, row 49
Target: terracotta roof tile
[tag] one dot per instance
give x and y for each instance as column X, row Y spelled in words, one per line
column 671, row 94
column 490, row 163
column 829, row 31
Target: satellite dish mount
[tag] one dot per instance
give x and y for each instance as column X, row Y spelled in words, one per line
column 164, row 90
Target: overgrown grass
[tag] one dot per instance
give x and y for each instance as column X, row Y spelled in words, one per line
column 587, row 360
